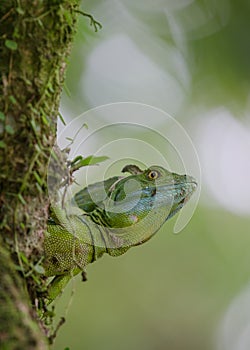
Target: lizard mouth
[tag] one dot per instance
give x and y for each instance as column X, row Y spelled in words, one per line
column 189, row 191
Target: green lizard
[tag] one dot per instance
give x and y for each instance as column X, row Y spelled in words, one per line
column 110, row 217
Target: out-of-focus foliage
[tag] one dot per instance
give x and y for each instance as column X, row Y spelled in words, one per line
column 190, row 58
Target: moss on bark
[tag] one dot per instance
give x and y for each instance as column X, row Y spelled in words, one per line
column 35, row 40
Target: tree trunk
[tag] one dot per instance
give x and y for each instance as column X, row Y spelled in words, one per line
column 35, row 40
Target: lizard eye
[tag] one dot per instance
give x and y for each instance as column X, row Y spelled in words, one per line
column 153, row 174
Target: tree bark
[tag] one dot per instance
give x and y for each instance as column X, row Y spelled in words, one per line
column 35, row 40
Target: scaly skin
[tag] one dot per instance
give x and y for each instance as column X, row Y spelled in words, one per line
column 110, row 217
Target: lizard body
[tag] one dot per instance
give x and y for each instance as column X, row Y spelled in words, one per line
column 110, row 217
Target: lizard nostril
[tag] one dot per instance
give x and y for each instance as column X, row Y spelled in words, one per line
column 153, row 193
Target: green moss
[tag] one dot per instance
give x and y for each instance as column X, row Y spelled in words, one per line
column 17, row 329
column 35, row 41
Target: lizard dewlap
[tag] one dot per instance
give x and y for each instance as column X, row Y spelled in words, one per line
column 110, row 217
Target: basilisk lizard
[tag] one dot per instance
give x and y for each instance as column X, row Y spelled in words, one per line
column 110, row 217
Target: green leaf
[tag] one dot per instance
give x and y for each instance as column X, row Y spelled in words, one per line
column 2, row 116
column 9, row 129
column 45, row 120
column 2, row 144
column 11, row 44
column 35, row 127
column 35, row 279
column 76, row 159
column 18, row 268
column 39, row 188
column 23, row 258
column 90, row 160
column 12, row 99
column 68, row 17
column 61, row 118
column 20, row 11
column 22, row 200
column 38, row 178
column 50, row 87
column 39, row 269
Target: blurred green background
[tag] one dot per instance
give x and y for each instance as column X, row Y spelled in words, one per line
column 188, row 291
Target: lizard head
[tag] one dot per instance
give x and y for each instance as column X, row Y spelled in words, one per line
column 129, row 200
